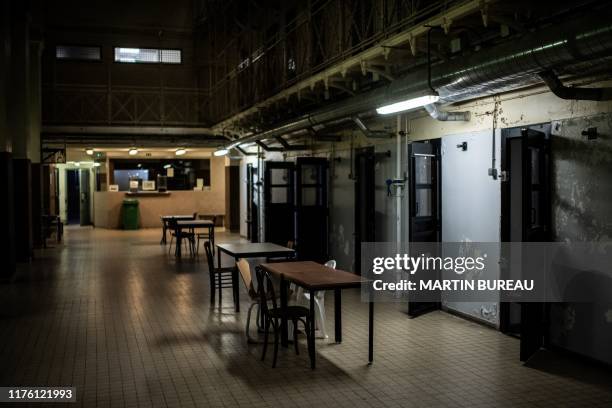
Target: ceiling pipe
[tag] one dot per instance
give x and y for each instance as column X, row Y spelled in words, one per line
column 505, row 67
column 266, row 148
column 370, row 133
column 437, row 114
column 288, row 146
column 564, row 92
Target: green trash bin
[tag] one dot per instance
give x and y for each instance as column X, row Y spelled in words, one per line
column 130, row 214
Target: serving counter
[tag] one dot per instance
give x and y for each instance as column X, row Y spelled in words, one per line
column 107, row 206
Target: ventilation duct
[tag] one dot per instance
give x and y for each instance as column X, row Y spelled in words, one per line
column 565, row 92
column 437, row 114
column 501, row 68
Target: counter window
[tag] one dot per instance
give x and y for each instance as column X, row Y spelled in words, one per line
column 181, row 174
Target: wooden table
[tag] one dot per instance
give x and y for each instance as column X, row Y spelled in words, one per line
column 167, row 218
column 314, row 277
column 192, row 225
column 250, row 250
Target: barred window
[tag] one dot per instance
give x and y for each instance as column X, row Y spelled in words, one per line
column 76, row 52
column 147, row 55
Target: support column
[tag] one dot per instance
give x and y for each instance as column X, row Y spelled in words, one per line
column 18, row 118
column 7, row 214
column 34, row 145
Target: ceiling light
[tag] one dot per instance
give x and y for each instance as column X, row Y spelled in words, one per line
column 167, row 166
column 96, row 164
column 89, row 151
column 132, row 51
column 180, row 151
column 133, row 151
column 221, row 152
column 408, row 104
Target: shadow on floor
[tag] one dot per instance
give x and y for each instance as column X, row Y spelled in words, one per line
column 570, row 366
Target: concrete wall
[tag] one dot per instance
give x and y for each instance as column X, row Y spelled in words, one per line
column 582, row 212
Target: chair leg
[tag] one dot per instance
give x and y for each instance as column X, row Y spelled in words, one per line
column 212, row 288
column 248, row 323
column 265, row 344
column 309, row 338
column 276, row 335
column 295, row 336
column 220, row 288
column 320, row 316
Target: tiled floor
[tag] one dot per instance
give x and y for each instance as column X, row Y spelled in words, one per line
column 113, row 314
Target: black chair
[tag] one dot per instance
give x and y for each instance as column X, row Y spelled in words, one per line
column 208, row 235
column 273, row 315
column 224, row 277
column 174, row 233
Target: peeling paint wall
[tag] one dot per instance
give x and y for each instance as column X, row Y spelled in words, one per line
column 582, row 209
column 582, row 212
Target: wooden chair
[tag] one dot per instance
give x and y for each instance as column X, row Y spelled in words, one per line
column 224, row 277
column 247, row 278
column 273, row 315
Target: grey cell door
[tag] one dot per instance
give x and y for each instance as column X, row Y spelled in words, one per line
column 85, row 197
column 424, row 207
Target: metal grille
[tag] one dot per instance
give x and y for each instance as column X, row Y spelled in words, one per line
column 73, row 52
column 171, row 56
column 147, row 55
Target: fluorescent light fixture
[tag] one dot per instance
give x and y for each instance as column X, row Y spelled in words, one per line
column 221, row 152
column 132, row 51
column 180, row 151
column 167, row 166
column 407, row 104
column 133, row 151
column 89, row 151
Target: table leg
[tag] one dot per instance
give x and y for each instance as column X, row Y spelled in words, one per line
column 236, row 288
column 338, row 315
column 163, row 239
column 371, row 333
column 283, row 302
column 179, row 242
column 311, row 332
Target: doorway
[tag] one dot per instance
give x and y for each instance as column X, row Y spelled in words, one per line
column 365, row 209
column 73, row 201
column 78, row 197
column 279, row 202
column 252, row 220
column 311, row 208
column 525, row 217
column 424, row 199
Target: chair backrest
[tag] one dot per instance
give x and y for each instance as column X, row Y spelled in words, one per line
column 209, row 257
column 331, row 263
column 265, row 288
column 245, row 272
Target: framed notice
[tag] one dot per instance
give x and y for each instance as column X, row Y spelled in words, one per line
column 113, row 187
